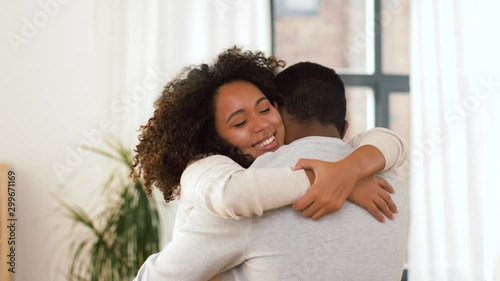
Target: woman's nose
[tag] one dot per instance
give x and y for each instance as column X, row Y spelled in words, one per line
column 260, row 123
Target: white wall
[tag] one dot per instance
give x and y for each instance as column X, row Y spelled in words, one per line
column 48, row 99
column 63, row 76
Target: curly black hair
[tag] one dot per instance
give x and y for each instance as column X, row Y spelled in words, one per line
column 183, row 125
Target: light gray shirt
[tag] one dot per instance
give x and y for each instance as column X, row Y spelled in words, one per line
column 347, row 245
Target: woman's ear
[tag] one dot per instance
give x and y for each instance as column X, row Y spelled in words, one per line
column 344, row 129
column 276, row 105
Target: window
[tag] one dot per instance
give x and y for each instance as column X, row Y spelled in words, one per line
column 365, row 41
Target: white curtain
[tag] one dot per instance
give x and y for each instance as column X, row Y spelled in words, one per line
column 141, row 45
column 455, row 194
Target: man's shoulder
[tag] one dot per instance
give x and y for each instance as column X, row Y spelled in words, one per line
column 315, row 147
column 316, row 144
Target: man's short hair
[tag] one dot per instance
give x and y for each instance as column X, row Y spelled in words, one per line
column 312, row 92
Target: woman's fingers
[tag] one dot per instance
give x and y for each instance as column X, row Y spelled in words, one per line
column 303, row 202
column 382, row 206
column 319, row 214
column 388, row 200
column 373, row 209
column 304, row 163
column 384, row 184
column 311, row 210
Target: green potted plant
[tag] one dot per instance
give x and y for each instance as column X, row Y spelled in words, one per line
column 114, row 243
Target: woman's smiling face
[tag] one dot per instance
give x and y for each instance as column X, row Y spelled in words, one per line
column 245, row 118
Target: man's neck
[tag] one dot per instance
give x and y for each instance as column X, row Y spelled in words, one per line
column 316, row 129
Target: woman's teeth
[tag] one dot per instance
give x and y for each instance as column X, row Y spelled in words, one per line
column 266, row 142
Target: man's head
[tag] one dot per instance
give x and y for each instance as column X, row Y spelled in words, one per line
column 314, row 101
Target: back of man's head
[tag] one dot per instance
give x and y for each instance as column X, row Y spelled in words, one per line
column 312, row 92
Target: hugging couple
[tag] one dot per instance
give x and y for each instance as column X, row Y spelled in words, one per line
column 268, row 188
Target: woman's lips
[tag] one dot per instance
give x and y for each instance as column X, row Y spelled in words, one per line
column 268, row 144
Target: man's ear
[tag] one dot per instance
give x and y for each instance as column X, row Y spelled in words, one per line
column 344, row 130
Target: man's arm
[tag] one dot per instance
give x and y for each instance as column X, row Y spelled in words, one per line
column 203, row 247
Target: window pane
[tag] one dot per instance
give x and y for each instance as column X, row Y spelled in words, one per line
column 395, row 22
column 330, row 32
column 400, row 122
column 360, row 110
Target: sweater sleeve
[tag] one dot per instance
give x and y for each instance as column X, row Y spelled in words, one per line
column 221, row 186
column 389, row 144
column 203, row 247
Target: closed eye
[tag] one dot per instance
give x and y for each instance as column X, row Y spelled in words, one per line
column 239, row 125
column 266, row 110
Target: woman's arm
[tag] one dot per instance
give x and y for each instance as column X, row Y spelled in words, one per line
column 387, row 142
column 226, row 189
column 201, row 248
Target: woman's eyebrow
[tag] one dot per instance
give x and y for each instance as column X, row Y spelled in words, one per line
column 260, row 100
column 234, row 114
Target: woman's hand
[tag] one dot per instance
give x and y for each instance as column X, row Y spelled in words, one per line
column 333, row 183
column 372, row 194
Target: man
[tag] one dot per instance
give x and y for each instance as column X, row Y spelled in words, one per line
column 282, row 245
